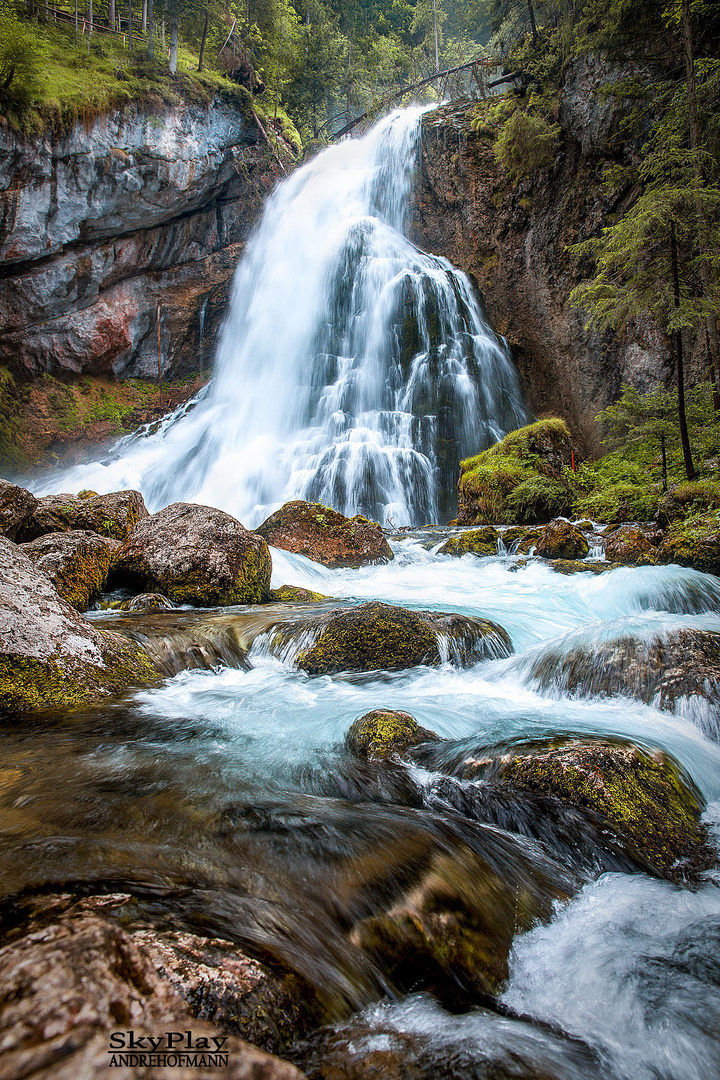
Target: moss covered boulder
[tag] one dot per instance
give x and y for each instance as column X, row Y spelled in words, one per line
column 195, row 555
column 325, row 536
column 520, row 540
column 561, row 540
column 377, row 636
column 645, row 796
column 629, row 546
column 520, row 479
column 294, row 594
column 689, row 498
column 16, row 507
column 475, row 541
column 693, row 541
column 114, row 515
column 76, row 562
column 50, row 656
column 383, row 732
column 575, row 566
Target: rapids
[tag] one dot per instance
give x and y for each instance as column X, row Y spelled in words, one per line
column 225, row 797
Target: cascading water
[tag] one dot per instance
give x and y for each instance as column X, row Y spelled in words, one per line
column 354, row 369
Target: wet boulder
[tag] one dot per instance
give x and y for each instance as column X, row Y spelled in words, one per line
column 114, row 515
column 629, row 546
column 383, row 732
column 694, row 541
column 561, row 540
column 16, row 506
column 577, row 566
column 70, row 981
column 477, row 541
column 179, row 641
column 294, row 594
column 77, row 563
column 377, row 636
column 325, row 536
column 50, row 656
column 195, row 555
column 645, row 796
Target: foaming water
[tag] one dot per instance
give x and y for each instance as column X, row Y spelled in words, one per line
column 354, row 369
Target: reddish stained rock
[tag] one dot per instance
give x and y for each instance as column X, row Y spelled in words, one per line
column 325, row 536
column 16, row 506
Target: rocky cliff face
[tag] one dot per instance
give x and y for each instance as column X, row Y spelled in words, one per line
column 101, row 225
column 513, row 239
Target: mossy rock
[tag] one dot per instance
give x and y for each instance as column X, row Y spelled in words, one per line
column 77, row 563
column 519, row 479
column 326, row 536
column 195, row 555
column 377, row 636
column 475, row 541
column 146, row 602
column 384, row 732
column 689, row 498
column 629, row 546
column 114, row 515
column 51, row 657
column 291, row 594
column 16, row 506
column 520, row 540
column 575, row 566
column 561, row 540
column 644, row 795
column 693, row 541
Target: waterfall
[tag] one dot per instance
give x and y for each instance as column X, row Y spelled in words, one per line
column 353, row 369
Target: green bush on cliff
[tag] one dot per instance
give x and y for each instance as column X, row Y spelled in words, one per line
column 19, row 66
column 526, row 143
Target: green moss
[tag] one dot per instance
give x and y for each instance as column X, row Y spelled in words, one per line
column 694, row 541
column 27, row 684
column 383, row 732
column 537, row 499
column 478, row 541
column 372, row 637
column 288, row 594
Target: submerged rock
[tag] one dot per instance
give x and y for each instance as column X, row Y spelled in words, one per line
column 289, row 594
column 114, row 515
column 195, row 555
column 645, row 796
column 661, row 671
column 50, row 656
column 325, row 536
column 67, row 985
column 478, row 541
column 188, row 640
column 16, row 506
column 629, row 546
column 561, row 540
column 77, row 563
column 147, row 602
column 378, row 636
column 383, row 732
column 520, row 540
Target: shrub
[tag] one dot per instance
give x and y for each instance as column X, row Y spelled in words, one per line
column 537, row 501
column 526, row 144
column 19, row 67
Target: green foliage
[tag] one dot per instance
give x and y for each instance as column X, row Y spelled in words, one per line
column 19, row 66
column 526, row 144
column 536, row 500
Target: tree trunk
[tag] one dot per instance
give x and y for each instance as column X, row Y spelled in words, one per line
column 144, row 17
column 173, row 42
column 533, row 24
column 677, row 334
column 130, row 25
column 90, row 19
column 76, row 22
column 435, row 28
column 151, row 29
column 694, row 124
column 204, row 39
column 111, row 14
column 664, row 463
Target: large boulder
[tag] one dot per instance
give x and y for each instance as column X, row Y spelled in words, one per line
column 377, row 636
column 630, row 546
column 693, row 541
column 561, row 540
column 114, row 515
column 76, row 562
column 645, row 796
column 70, row 983
column 384, row 732
column 195, row 555
column 16, row 506
column 50, row 656
column 325, row 536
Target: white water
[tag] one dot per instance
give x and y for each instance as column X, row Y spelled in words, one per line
column 354, row 369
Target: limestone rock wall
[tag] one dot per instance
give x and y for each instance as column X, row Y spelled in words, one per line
column 100, row 225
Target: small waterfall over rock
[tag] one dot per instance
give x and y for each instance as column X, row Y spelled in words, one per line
column 354, row 369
